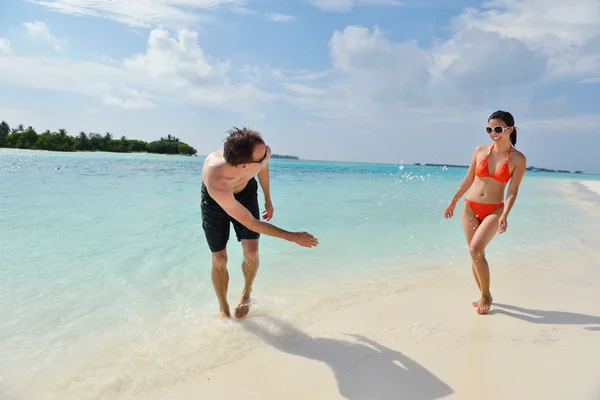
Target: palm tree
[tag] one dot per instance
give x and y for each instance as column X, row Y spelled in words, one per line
column 4, row 129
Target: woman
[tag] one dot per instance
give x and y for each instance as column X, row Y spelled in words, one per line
column 485, row 213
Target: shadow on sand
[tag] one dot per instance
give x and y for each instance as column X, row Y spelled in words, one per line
column 363, row 368
column 548, row 317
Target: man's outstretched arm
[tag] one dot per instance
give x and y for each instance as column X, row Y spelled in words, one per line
column 241, row 214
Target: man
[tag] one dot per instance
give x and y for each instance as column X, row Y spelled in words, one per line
column 230, row 195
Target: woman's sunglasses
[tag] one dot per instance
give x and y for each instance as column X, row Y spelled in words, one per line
column 496, row 129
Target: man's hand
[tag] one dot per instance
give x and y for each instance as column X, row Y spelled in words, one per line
column 502, row 224
column 268, row 213
column 304, row 239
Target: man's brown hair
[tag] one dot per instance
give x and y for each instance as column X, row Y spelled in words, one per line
column 239, row 145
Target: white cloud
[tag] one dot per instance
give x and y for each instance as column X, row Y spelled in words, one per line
column 243, row 10
column 131, row 99
column 180, row 60
column 346, row 5
column 175, row 14
column 172, row 68
column 497, row 55
column 274, row 17
column 551, row 25
column 143, row 13
column 565, row 32
column 377, row 68
column 40, row 30
column 5, row 46
column 580, row 123
column 375, row 78
column 303, row 89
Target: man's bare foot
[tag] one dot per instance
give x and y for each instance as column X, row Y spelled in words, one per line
column 243, row 308
column 225, row 313
column 484, row 304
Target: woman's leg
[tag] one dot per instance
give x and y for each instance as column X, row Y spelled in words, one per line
column 483, row 235
column 470, row 224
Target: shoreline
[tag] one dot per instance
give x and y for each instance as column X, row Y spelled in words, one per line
column 93, row 152
column 567, row 175
column 593, row 186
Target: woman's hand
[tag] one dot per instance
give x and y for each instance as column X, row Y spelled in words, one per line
column 502, row 224
column 450, row 209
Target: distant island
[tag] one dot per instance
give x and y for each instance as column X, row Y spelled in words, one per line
column 21, row 138
column 531, row 168
column 286, row 157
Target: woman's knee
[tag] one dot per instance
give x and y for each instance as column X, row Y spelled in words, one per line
column 476, row 250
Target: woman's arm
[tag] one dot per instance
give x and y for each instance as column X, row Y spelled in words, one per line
column 515, row 182
column 465, row 184
column 468, row 179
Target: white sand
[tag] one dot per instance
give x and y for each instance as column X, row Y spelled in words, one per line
column 594, row 186
column 540, row 341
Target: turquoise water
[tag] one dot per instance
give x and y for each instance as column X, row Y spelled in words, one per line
column 105, row 275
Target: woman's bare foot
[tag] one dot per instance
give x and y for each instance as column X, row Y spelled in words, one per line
column 484, row 304
column 476, row 303
column 243, row 308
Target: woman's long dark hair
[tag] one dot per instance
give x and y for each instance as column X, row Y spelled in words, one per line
column 509, row 120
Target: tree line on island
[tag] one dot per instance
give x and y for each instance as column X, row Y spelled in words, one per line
column 27, row 138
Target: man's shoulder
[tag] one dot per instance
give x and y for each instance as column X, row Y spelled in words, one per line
column 213, row 164
column 216, row 157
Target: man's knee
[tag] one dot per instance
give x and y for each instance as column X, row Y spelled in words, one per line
column 251, row 256
column 219, row 260
column 250, row 251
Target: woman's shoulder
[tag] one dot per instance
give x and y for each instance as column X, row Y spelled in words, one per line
column 483, row 147
column 517, row 156
column 481, row 151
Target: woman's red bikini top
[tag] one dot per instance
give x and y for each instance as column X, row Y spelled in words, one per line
column 501, row 175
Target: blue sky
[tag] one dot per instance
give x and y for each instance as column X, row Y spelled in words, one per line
column 363, row 80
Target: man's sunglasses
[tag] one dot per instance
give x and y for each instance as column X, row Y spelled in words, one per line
column 496, row 129
column 261, row 160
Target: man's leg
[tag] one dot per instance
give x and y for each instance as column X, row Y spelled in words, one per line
column 220, row 280
column 249, row 239
column 249, row 268
column 215, row 223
